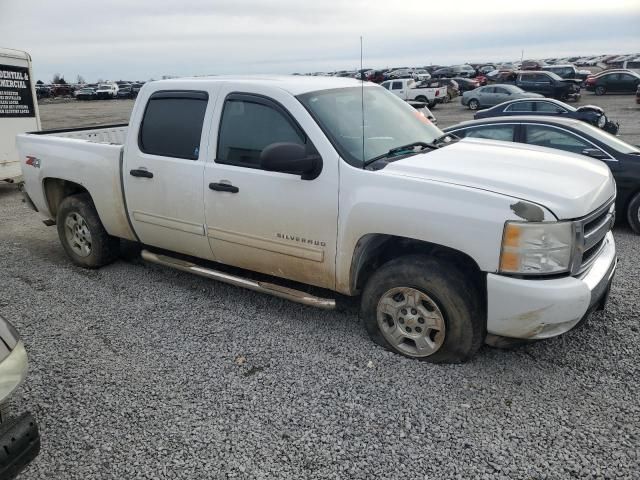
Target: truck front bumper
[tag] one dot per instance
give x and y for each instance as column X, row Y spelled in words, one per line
column 536, row 309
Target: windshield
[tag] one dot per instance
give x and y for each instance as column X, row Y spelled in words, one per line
column 606, row 138
column 388, row 121
column 104, row 87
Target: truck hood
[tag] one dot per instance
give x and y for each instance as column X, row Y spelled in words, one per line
column 569, row 185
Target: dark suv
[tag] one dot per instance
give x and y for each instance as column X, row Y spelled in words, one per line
column 567, row 71
column 548, row 84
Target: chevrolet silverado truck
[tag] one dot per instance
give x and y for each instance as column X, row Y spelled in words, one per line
column 19, row 436
column 342, row 186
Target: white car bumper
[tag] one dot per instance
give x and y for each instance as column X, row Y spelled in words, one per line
column 536, row 309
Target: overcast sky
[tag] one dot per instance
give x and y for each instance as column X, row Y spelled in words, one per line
column 142, row 39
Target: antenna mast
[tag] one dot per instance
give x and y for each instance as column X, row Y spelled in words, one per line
column 362, row 97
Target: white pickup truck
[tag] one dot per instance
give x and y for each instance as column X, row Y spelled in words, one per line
column 448, row 243
column 408, row 89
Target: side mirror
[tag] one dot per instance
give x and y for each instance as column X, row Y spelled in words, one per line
column 291, row 158
column 594, row 153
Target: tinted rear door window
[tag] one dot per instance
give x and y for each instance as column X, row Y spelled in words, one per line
column 554, row 138
column 172, row 124
column 492, row 132
column 520, row 107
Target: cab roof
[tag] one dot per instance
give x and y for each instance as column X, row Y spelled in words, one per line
column 294, row 84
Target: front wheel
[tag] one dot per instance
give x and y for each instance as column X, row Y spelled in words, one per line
column 633, row 213
column 600, row 90
column 424, row 308
column 474, row 104
column 82, row 234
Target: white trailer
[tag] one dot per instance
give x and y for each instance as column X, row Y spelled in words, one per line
column 18, row 109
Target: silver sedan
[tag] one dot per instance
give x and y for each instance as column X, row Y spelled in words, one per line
column 491, row 95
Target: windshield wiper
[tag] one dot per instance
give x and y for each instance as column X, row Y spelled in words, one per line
column 445, row 139
column 409, row 148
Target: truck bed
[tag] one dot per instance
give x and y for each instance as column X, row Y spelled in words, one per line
column 111, row 134
column 90, row 158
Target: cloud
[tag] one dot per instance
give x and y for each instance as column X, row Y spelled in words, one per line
column 149, row 38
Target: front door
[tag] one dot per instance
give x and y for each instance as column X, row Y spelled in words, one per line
column 164, row 169
column 270, row 222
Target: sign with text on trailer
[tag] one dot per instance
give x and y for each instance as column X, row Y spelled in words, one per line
column 18, row 109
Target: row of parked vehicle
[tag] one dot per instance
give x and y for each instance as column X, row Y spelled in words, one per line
column 97, row 91
column 108, row 91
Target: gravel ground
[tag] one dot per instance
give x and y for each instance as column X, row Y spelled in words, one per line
column 138, row 371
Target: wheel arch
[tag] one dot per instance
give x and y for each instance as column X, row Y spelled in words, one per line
column 57, row 189
column 374, row 250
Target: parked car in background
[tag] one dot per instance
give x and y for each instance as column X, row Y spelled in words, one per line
column 572, row 136
column 401, row 73
column 638, row 94
column 19, row 433
column 423, row 109
column 107, row 91
column 466, row 84
column 420, row 75
column 408, row 89
column 377, row 77
column 43, row 91
column 465, row 71
column 484, row 69
column 61, row 90
column 532, row 64
column 85, row 94
column 135, row 88
column 453, row 89
column 567, row 71
column 548, row 106
column 125, row 92
column 616, row 82
column 548, row 84
column 493, row 95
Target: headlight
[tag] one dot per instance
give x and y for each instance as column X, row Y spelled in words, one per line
column 536, row 248
column 602, row 121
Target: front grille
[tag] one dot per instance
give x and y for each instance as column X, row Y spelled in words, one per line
column 590, row 232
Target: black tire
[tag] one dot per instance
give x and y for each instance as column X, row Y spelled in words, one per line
column 633, row 213
column 450, row 289
column 103, row 247
column 474, row 104
column 600, row 90
column 421, row 98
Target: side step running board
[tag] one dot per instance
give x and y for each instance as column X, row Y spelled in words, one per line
column 263, row 287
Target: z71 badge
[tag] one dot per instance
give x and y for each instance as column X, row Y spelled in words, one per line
column 33, row 161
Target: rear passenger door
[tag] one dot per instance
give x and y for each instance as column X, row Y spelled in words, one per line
column 163, row 170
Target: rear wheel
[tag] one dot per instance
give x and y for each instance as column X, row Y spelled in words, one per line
column 474, row 104
column 600, row 90
column 633, row 213
column 82, row 234
column 421, row 98
column 424, row 308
